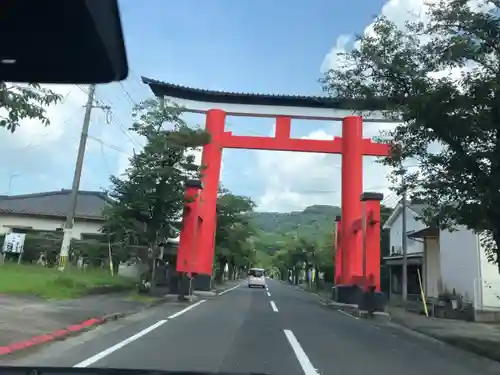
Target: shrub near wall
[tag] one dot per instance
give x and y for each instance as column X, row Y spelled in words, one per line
column 35, row 244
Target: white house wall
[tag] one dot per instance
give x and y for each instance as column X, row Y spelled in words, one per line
column 460, row 264
column 413, row 246
column 488, row 284
column 432, row 267
column 49, row 224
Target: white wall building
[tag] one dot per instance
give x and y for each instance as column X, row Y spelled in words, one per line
column 47, row 211
column 452, row 262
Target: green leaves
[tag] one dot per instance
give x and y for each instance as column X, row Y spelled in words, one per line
column 442, row 78
column 149, row 199
column 234, row 229
column 25, row 102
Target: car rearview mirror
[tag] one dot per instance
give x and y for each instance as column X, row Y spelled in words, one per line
column 61, row 41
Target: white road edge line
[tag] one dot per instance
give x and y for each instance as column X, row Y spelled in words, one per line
column 114, row 348
column 268, row 294
column 304, row 361
column 90, row 361
column 347, row 314
column 178, row 313
column 228, row 290
column 273, row 305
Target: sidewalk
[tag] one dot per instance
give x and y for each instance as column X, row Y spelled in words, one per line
column 479, row 338
column 22, row 318
column 26, row 321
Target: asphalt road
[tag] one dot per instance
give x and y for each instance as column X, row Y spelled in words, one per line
column 281, row 331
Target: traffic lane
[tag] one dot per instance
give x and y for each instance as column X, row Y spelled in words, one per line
column 260, row 345
column 237, row 332
column 70, row 351
column 339, row 342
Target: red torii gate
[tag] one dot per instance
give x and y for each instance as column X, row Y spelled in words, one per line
column 352, row 146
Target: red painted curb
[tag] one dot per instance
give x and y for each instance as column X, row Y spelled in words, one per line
column 47, row 337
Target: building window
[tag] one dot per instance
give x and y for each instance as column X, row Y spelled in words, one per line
column 21, row 230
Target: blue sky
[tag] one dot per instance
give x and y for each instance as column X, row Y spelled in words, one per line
column 246, row 45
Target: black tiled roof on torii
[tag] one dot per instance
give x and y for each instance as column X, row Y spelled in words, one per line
column 89, row 206
column 161, row 89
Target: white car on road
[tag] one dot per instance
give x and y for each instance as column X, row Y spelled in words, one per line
column 256, row 277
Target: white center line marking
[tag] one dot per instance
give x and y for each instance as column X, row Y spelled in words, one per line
column 273, row 305
column 90, row 361
column 228, row 290
column 304, row 361
column 347, row 314
column 268, row 294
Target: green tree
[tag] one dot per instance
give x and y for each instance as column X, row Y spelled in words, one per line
column 293, row 256
column 233, row 240
column 25, row 102
column 450, row 122
column 325, row 258
column 298, row 253
column 148, row 200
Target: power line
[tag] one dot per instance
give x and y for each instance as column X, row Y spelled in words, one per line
column 127, row 94
column 122, row 127
column 113, row 147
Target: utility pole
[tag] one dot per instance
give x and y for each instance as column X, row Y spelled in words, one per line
column 68, row 225
column 404, row 238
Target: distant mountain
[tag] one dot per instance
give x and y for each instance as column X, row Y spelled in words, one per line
column 312, row 221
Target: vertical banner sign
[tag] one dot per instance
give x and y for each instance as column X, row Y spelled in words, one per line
column 14, row 243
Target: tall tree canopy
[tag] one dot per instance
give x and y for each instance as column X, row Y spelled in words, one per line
column 233, row 239
column 297, row 253
column 148, row 199
column 441, row 77
column 22, row 102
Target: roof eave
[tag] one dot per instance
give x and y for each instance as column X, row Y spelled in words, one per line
column 390, row 220
column 164, row 89
column 52, row 216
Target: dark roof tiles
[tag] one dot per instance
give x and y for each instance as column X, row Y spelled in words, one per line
column 160, row 89
column 90, row 204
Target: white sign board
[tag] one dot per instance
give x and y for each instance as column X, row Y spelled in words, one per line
column 13, row 243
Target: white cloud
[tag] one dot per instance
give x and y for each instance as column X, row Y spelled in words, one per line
column 36, row 150
column 297, row 180
column 124, row 158
column 31, row 132
column 45, row 156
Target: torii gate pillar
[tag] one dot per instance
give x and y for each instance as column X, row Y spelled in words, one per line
column 351, row 187
column 351, row 146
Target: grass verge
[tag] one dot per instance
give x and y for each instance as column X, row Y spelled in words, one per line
column 51, row 283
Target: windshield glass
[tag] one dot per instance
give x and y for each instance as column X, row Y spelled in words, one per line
column 256, row 273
